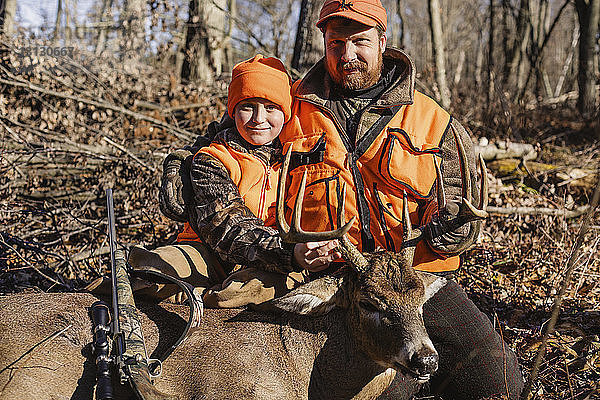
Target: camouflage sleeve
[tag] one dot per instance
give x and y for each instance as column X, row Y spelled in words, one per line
column 226, row 225
column 444, row 236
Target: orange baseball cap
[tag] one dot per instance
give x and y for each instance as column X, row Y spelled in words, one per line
column 366, row 12
column 264, row 77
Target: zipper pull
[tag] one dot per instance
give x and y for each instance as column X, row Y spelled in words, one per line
column 268, row 177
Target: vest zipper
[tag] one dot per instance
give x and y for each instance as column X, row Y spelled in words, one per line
column 364, row 215
column 266, row 185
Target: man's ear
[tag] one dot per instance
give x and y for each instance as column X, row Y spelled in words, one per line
column 382, row 42
column 317, row 297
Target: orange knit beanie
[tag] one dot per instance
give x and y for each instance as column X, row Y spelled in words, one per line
column 263, row 77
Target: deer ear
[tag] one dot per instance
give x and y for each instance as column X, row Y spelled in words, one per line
column 317, row 297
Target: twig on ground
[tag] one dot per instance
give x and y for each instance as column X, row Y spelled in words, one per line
column 54, row 335
column 36, row 269
column 130, row 154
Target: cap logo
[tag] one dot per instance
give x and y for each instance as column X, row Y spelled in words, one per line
column 345, row 5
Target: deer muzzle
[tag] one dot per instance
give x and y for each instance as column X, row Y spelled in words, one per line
column 421, row 363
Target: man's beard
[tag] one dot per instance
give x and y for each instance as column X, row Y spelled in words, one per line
column 364, row 78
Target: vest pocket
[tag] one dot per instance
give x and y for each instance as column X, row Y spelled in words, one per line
column 407, row 167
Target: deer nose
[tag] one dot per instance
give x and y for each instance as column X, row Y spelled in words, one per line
column 424, row 363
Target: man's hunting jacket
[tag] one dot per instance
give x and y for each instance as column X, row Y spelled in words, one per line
column 380, row 147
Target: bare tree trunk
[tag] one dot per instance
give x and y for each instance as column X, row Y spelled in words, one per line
column 490, row 87
column 8, row 9
column 439, row 53
column 397, row 37
column 133, row 34
column 541, row 24
column 459, row 67
column 520, row 61
column 203, row 51
column 308, row 46
column 508, row 39
column 588, row 12
column 568, row 61
column 401, row 39
column 227, row 49
column 59, row 11
column 68, row 32
column 516, row 47
column 479, row 64
column 100, row 42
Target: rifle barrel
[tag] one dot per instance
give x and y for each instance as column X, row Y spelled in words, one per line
column 113, row 270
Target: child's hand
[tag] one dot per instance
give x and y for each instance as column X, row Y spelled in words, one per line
column 316, row 256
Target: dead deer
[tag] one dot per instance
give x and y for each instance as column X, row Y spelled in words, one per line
column 341, row 336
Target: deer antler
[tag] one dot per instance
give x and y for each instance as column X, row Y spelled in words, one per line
column 349, row 252
column 295, row 234
column 467, row 212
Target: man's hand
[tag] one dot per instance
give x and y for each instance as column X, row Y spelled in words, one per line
column 316, row 256
column 172, row 189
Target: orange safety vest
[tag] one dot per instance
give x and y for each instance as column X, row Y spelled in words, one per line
column 255, row 180
column 398, row 156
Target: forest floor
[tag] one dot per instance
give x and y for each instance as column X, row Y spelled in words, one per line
column 70, row 128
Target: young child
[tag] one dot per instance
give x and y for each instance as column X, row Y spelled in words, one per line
column 227, row 247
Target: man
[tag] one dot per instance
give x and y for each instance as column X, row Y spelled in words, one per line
column 357, row 119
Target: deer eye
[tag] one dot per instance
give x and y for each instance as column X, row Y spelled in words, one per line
column 368, row 306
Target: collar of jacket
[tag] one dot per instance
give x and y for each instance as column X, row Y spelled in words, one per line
column 316, row 85
column 268, row 153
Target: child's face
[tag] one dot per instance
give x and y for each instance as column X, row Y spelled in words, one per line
column 258, row 120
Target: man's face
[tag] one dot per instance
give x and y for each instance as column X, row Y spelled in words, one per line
column 353, row 53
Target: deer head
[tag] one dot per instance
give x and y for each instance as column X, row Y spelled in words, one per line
column 382, row 293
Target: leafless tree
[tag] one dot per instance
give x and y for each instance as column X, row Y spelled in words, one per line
column 8, row 9
column 104, row 15
column 308, row 46
column 203, row 51
column 588, row 12
column 439, row 53
column 133, row 29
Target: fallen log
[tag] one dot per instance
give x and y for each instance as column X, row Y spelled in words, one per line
column 505, row 149
column 560, row 212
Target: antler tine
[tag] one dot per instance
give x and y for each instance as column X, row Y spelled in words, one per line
column 408, row 248
column 297, row 211
column 467, row 209
column 295, row 234
column 441, row 194
column 406, row 224
column 464, row 168
column 483, row 194
column 349, row 252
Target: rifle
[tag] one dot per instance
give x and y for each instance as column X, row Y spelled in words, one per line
column 129, row 352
